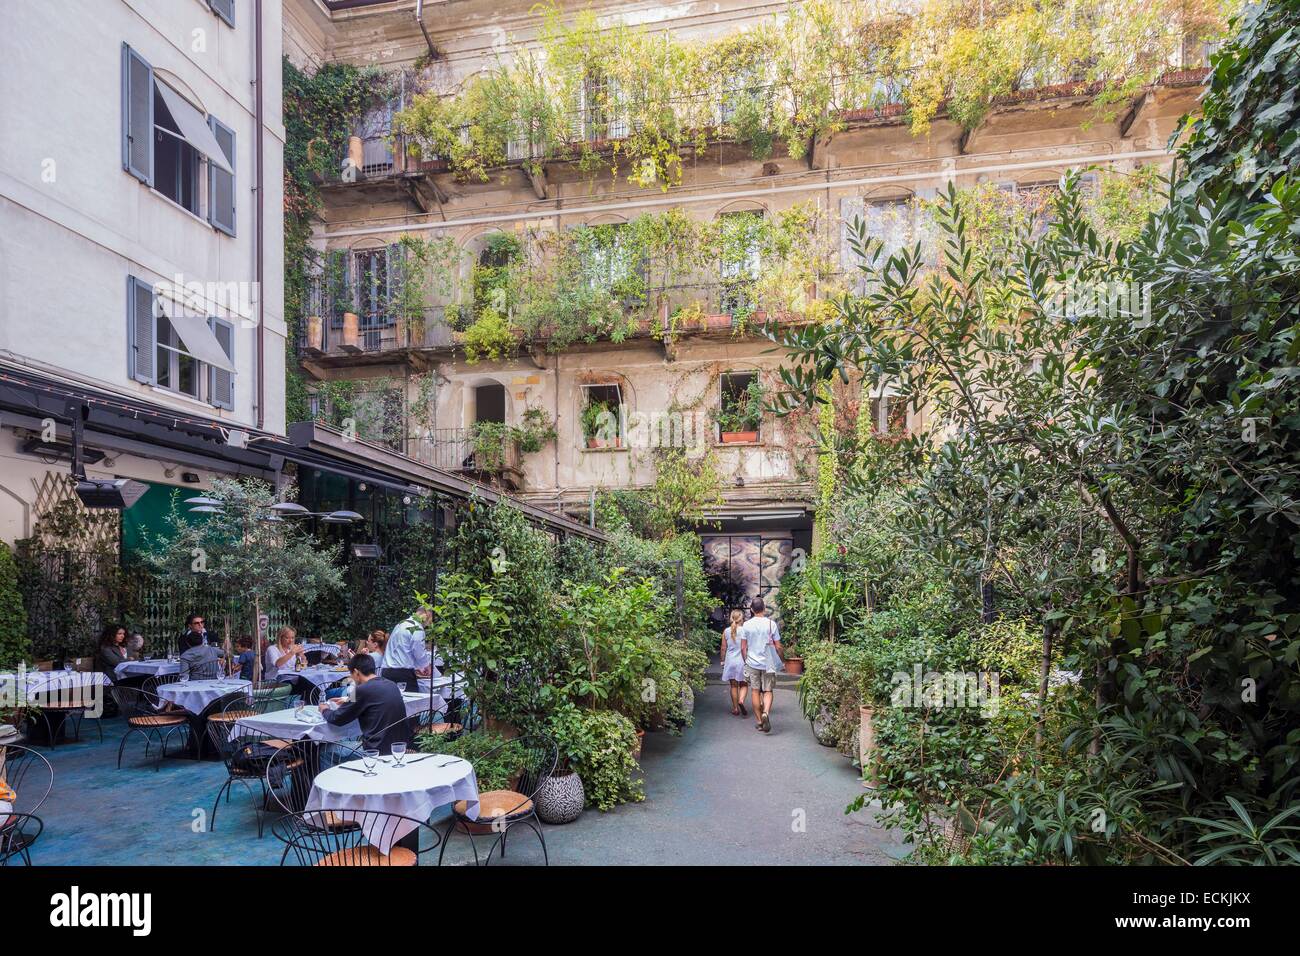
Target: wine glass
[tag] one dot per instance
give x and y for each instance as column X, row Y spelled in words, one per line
column 399, row 751
column 370, row 758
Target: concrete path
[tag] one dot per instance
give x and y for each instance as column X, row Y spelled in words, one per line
column 721, row 793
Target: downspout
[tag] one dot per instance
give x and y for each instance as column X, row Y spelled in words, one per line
column 259, row 209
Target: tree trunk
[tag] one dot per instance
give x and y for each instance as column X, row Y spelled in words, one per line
column 257, row 642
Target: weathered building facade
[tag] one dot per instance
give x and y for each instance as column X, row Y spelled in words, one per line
column 690, row 349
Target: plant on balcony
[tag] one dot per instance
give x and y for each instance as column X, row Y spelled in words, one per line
column 739, row 416
column 600, row 424
column 535, row 431
column 490, row 336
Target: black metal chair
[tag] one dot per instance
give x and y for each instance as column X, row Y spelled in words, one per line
column 27, row 773
column 289, row 774
column 18, row 832
column 354, row 838
column 499, row 810
column 147, row 714
column 63, row 703
column 244, row 751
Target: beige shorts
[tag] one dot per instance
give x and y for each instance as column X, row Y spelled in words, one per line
column 759, row 680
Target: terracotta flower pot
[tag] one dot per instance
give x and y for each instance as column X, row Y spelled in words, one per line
column 315, row 333
column 351, row 332
column 737, row 438
column 794, row 665
column 867, row 746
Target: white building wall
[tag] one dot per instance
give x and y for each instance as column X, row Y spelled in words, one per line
column 74, row 224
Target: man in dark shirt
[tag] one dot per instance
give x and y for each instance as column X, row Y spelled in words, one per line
column 376, row 704
column 201, row 661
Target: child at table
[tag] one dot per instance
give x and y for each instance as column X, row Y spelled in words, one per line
column 245, row 658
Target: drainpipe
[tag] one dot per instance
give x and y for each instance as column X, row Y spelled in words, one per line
column 259, row 211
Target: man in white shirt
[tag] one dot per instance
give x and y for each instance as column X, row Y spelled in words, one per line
column 406, row 656
column 760, row 645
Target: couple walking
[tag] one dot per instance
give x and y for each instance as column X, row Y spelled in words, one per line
column 751, row 653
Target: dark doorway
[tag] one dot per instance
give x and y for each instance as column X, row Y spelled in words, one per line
column 490, row 403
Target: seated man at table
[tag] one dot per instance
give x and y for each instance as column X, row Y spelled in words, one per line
column 201, row 661
column 376, row 705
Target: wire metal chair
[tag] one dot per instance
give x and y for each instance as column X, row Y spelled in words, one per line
column 18, row 832
column 63, row 703
column 499, row 810
column 147, row 715
column 245, row 751
column 316, row 838
column 27, row 773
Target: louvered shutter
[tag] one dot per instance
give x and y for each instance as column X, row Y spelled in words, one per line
column 339, row 284
column 137, row 116
column 221, row 184
column 141, row 330
column 224, row 9
column 221, row 383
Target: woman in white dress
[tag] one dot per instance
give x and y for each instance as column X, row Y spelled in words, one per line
column 733, row 665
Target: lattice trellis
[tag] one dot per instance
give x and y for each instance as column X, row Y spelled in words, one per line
column 63, row 523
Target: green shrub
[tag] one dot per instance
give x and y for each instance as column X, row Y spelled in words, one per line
column 14, row 644
column 598, row 745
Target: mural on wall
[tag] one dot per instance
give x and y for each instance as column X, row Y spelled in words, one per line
column 741, row 567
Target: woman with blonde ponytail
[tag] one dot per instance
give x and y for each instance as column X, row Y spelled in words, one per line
column 733, row 664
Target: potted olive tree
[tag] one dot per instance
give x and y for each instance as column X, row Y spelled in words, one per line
column 739, row 415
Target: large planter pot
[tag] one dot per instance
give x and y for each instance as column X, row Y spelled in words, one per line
column 823, row 729
column 794, row 665
column 315, row 333
column 356, row 156
column 351, row 332
column 561, row 798
column 867, row 745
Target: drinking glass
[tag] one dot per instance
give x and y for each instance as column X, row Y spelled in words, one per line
column 399, row 751
column 370, row 758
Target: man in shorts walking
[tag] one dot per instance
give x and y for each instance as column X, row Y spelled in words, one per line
column 760, row 643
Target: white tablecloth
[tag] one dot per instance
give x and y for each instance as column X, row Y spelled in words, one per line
column 320, row 675
column 151, row 668
column 414, row 791
column 195, row 695
column 34, row 683
column 442, row 686
column 286, row 724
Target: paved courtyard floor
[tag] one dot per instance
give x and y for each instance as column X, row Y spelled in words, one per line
column 721, row 793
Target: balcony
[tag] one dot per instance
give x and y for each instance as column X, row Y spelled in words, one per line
column 350, row 339
column 376, row 169
column 477, row 452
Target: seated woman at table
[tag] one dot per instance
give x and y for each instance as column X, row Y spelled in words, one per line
column 374, row 645
column 281, row 654
column 376, row 705
column 111, row 650
column 244, row 657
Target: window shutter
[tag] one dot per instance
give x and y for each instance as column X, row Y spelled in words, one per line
column 221, row 384
column 141, row 330
column 339, row 284
column 224, row 9
column 137, row 116
column 221, row 184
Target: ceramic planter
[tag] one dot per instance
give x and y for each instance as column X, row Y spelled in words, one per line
column 867, row 746
column 738, row 438
column 315, row 334
column 351, row 332
column 560, row 799
column 794, row 665
column 822, row 729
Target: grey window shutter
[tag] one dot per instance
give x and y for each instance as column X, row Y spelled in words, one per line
column 339, row 283
column 137, row 116
column 221, row 384
column 224, row 9
column 142, row 330
column 221, row 184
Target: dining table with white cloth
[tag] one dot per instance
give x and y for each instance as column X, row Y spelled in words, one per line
column 420, row 785
column 306, row 723
column 322, row 675
column 155, row 667
column 196, row 696
column 25, row 685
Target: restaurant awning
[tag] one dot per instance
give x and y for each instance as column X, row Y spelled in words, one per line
column 193, row 127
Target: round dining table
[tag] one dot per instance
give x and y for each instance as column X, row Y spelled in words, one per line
column 195, row 697
column 415, row 788
column 59, row 690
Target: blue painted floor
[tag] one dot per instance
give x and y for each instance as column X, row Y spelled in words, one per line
column 721, row 793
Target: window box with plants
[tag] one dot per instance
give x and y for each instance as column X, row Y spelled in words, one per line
column 600, row 425
column 741, row 413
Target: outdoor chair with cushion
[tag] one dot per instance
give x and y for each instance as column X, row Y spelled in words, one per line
column 353, row 838
column 500, row 810
column 148, row 714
